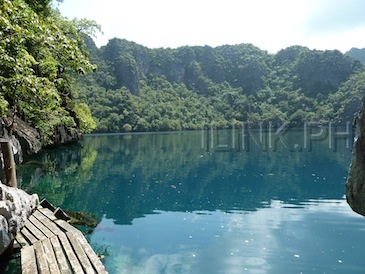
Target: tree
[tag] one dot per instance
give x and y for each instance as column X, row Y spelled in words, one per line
column 39, row 51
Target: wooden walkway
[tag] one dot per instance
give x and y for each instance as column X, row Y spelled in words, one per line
column 51, row 245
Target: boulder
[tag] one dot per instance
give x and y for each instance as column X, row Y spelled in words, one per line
column 15, row 208
column 355, row 186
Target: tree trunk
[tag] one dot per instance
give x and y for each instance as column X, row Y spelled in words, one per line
column 9, row 163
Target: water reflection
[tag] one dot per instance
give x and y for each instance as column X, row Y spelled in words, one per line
column 314, row 237
column 168, row 205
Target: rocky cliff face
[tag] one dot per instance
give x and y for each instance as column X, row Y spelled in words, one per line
column 15, row 208
column 26, row 140
column 355, row 186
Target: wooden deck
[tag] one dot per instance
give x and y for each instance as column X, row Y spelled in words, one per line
column 51, row 245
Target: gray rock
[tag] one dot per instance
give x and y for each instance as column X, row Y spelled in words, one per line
column 5, row 236
column 355, row 186
column 64, row 136
column 28, row 137
column 15, row 208
column 26, row 140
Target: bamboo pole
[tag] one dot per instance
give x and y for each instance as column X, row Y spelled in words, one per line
column 9, row 163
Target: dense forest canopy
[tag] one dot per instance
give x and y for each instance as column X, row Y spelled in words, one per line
column 142, row 89
column 40, row 52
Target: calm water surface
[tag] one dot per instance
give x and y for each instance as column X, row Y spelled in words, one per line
column 209, row 202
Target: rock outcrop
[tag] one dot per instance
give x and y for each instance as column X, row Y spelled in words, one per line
column 15, row 208
column 29, row 138
column 26, row 140
column 355, row 186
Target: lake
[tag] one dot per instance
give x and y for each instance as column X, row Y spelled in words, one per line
column 234, row 201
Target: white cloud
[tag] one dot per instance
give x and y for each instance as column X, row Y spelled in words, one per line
column 270, row 25
column 264, row 241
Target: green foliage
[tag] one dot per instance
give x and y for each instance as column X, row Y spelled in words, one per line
column 141, row 89
column 83, row 113
column 3, row 105
column 38, row 51
column 358, row 54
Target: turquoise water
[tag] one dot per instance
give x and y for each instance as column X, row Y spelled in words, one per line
column 210, row 201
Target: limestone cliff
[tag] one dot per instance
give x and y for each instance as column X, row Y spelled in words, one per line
column 26, row 140
column 355, row 186
column 15, row 208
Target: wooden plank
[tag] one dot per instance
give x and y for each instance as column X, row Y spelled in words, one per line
column 28, row 261
column 35, row 231
column 51, row 225
column 68, row 253
column 93, row 257
column 47, row 213
column 74, row 262
column 67, row 227
column 48, row 233
column 28, row 235
column 46, row 204
column 21, row 240
column 50, row 257
column 61, row 258
column 84, row 260
column 41, row 258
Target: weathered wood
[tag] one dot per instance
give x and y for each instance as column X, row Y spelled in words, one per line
column 52, row 226
column 90, row 253
column 58, row 247
column 50, row 257
column 93, row 257
column 74, row 262
column 61, row 258
column 41, row 258
column 9, row 163
column 21, row 240
column 47, row 213
column 46, row 204
column 48, row 233
column 35, row 231
column 66, row 226
column 28, row 235
column 28, row 261
column 84, row 260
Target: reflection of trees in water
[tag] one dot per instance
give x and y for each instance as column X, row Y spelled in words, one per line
column 127, row 176
column 56, row 173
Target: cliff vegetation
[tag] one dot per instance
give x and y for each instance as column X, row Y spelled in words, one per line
column 142, row 89
column 40, row 54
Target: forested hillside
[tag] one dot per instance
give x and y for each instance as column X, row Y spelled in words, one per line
column 142, row 89
column 40, row 53
column 357, row 53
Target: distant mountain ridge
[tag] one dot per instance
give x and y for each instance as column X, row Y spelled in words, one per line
column 358, row 54
column 142, row 89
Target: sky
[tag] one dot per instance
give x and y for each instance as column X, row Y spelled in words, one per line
column 271, row 25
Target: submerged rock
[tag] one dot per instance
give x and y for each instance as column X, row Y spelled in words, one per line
column 355, row 186
column 15, row 208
